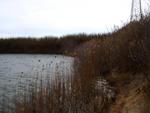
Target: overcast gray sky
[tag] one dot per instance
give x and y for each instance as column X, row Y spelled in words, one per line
column 61, row 17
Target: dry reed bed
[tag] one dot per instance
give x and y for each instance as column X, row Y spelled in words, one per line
column 125, row 50
column 65, row 94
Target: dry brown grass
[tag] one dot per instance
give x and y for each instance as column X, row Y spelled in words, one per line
column 125, row 50
column 64, row 95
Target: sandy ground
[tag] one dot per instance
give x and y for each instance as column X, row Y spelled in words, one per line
column 132, row 93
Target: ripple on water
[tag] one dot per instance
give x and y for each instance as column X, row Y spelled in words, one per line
column 18, row 71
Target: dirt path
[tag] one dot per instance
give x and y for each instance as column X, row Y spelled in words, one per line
column 132, row 94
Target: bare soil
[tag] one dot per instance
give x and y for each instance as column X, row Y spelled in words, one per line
column 132, row 93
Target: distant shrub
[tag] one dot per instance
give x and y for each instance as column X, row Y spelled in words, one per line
column 45, row 45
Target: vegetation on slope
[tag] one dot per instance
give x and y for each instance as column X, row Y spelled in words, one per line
column 126, row 50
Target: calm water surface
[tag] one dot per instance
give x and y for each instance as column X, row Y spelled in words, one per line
column 18, row 70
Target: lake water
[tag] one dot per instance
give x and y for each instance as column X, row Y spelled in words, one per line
column 19, row 70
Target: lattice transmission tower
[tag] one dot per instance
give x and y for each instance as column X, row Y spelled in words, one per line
column 136, row 10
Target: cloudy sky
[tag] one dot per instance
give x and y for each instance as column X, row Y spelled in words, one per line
column 60, row 17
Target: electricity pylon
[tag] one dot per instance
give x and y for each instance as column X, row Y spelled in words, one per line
column 136, row 10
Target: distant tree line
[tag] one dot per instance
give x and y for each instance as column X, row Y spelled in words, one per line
column 45, row 45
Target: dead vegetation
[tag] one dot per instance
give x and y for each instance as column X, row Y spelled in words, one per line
column 126, row 50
